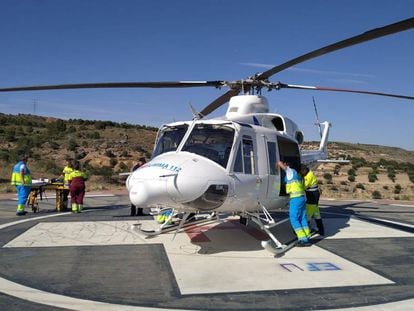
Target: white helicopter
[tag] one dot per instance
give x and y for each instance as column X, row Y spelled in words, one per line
column 228, row 164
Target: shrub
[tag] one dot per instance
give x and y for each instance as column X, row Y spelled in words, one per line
column 123, row 167
column 109, row 154
column 351, row 172
column 94, row 135
column 54, row 145
column 391, row 176
column 397, row 189
column 72, row 144
column 372, row 177
column 50, row 166
column 358, row 162
column 351, row 178
column 71, row 129
column 327, row 176
column 376, row 194
column 113, row 162
column 360, row 186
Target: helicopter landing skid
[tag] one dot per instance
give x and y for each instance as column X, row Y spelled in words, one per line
column 267, row 224
column 278, row 251
column 176, row 225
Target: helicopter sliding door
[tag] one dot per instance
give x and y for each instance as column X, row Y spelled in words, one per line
column 268, row 173
column 247, row 183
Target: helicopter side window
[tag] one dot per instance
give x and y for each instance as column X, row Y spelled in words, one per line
column 212, row 141
column 278, row 123
column 169, row 139
column 244, row 162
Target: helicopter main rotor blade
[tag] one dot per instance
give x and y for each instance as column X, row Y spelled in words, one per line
column 366, row 36
column 100, row 85
column 322, row 88
column 219, row 102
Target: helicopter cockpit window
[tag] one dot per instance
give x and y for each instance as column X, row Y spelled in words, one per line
column 169, row 139
column 244, row 162
column 213, row 141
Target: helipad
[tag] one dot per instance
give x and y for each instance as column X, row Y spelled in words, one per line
column 96, row 257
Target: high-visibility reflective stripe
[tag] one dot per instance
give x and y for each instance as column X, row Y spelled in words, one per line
column 296, row 194
column 16, row 178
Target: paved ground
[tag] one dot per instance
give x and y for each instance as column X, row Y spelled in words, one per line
column 94, row 260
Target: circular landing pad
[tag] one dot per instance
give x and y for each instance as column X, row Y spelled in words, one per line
column 94, row 260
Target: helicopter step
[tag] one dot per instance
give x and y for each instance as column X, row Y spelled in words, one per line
column 281, row 235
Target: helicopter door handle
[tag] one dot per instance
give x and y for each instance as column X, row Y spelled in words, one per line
column 259, row 180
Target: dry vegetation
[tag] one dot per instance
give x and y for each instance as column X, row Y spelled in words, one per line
column 379, row 172
column 106, row 148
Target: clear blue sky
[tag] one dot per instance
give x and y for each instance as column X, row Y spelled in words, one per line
column 56, row 41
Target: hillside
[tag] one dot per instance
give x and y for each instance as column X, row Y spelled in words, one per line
column 374, row 172
column 104, row 148
column 107, row 148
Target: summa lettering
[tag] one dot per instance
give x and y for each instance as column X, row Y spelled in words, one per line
column 165, row 166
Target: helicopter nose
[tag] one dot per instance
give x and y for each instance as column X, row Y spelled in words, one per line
column 179, row 179
column 138, row 194
column 145, row 191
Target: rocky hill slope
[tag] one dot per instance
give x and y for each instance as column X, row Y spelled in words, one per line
column 107, row 148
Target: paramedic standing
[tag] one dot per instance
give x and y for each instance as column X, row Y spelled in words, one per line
column 297, row 203
column 22, row 179
column 312, row 198
column 77, row 187
column 67, row 170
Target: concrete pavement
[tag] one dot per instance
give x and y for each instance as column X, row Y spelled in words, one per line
column 93, row 260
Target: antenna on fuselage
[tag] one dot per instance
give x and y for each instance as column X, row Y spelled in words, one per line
column 196, row 114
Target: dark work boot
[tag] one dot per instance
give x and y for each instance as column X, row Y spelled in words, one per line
column 133, row 210
column 320, row 226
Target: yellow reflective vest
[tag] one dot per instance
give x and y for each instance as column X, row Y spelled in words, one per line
column 16, row 178
column 77, row 173
column 310, row 182
column 66, row 172
column 294, row 185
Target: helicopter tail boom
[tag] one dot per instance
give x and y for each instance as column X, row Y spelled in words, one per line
column 312, row 157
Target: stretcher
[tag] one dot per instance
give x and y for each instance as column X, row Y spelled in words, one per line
column 38, row 191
